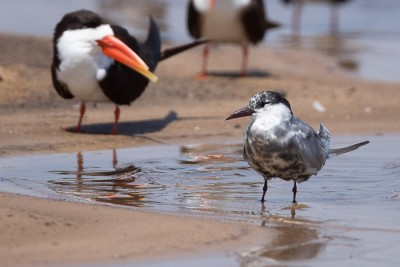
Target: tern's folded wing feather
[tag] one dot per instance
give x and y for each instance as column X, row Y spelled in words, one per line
column 310, row 147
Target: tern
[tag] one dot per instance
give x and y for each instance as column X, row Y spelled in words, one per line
column 279, row 145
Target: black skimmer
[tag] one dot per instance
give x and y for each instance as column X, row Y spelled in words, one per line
column 299, row 5
column 95, row 61
column 240, row 22
column 280, row 145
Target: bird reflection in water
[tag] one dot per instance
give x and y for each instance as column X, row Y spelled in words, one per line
column 292, row 208
column 298, row 7
column 335, row 44
column 340, row 47
column 296, row 239
column 116, row 186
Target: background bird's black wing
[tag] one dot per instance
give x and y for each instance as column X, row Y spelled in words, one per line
column 194, row 22
column 341, row 1
column 61, row 88
column 169, row 52
column 122, row 85
column 150, row 50
column 254, row 20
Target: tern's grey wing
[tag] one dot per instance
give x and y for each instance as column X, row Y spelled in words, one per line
column 342, row 150
column 310, row 148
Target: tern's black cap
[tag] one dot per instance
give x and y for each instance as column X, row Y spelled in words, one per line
column 267, row 97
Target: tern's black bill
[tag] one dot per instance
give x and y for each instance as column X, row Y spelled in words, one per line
column 246, row 111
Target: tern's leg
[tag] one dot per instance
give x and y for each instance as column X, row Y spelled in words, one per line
column 203, row 73
column 116, row 116
column 265, row 188
column 81, row 113
column 294, row 190
column 245, row 52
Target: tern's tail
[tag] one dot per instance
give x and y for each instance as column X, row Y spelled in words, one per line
column 342, row 150
column 325, row 136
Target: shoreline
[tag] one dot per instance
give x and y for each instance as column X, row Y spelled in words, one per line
column 177, row 110
column 184, row 109
column 70, row 233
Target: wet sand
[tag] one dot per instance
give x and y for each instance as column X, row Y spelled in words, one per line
column 39, row 232
column 176, row 110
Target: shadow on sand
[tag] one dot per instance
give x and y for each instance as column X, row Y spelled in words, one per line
column 132, row 128
column 129, row 128
column 236, row 74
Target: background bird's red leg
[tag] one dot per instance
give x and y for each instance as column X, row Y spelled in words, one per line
column 203, row 73
column 245, row 52
column 82, row 110
column 116, row 116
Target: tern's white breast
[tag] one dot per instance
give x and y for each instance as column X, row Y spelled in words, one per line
column 82, row 62
column 268, row 119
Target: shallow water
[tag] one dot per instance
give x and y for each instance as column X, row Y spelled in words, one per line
column 348, row 214
column 366, row 45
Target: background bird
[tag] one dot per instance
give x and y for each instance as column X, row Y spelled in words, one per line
column 296, row 17
column 240, row 22
column 95, row 61
column 278, row 144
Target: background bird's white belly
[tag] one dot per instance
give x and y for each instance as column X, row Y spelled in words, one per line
column 83, row 63
column 223, row 24
column 81, row 78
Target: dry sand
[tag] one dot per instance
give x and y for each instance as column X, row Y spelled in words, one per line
column 178, row 109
